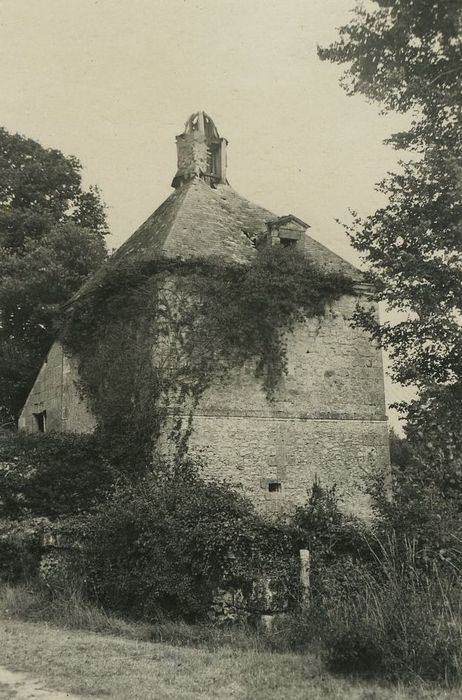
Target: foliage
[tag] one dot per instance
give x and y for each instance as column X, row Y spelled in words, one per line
column 408, row 56
column 416, row 506
column 39, row 188
column 51, row 238
column 326, row 529
column 339, row 543
column 385, row 614
column 400, row 450
column 434, row 432
column 20, row 548
column 422, row 498
column 159, row 548
column 413, row 248
column 203, row 317
column 405, row 54
column 397, row 625
column 34, row 286
column 385, row 596
column 52, row 474
column 164, row 545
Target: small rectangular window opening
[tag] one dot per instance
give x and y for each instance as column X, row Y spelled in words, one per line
column 41, row 421
column 274, row 487
column 288, row 242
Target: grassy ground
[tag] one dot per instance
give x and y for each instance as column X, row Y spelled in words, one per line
column 122, row 662
column 92, row 664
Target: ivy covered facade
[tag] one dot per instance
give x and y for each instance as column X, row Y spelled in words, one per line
column 222, row 330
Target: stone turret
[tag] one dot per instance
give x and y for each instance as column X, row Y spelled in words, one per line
column 201, row 152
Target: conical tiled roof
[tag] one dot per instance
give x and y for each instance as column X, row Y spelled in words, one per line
column 205, row 217
column 198, row 220
column 201, row 221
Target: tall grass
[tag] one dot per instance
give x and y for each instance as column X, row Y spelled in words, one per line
column 67, row 608
column 400, row 622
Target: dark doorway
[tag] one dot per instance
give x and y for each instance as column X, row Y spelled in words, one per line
column 41, row 421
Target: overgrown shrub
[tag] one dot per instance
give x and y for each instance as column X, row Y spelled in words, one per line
column 339, row 543
column 163, row 546
column 52, row 474
column 326, row 529
column 378, row 607
column 20, row 548
column 423, row 502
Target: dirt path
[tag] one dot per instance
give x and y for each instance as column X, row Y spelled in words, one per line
column 18, row 686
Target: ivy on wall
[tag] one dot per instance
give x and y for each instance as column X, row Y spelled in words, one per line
column 153, row 336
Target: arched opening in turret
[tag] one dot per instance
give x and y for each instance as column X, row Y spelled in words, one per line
column 201, row 152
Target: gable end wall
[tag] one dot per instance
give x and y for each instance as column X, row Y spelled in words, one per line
column 55, row 391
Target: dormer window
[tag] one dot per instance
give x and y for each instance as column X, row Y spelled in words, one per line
column 287, row 231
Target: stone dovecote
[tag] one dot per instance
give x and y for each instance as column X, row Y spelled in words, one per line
column 327, row 420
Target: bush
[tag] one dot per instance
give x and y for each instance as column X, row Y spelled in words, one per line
column 418, row 506
column 326, row 530
column 20, row 548
column 339, row 543
column 164, row 545
column 53, row 474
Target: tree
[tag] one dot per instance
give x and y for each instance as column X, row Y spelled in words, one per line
column 51, row 238
column 407, row 55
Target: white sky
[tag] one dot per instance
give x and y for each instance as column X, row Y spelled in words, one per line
column 113, row 81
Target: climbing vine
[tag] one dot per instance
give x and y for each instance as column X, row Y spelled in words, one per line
column 153, row 336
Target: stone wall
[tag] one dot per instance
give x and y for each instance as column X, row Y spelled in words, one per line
column 55, row 391
column 327, row 420
column 334, row 371
column 192, row 154
column 257, row 452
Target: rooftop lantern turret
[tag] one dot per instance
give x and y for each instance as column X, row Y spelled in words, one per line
column 201, row 152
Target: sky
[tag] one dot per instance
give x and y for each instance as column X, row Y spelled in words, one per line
column 113, row 81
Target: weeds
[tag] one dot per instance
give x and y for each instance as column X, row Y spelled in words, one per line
column 69, row 609
column 35, row 603
column 402, row 622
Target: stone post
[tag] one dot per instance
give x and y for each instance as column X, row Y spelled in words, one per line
column 305, row 577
